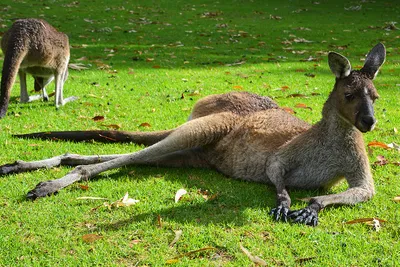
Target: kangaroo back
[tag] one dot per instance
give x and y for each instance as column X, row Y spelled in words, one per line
column 239, row 103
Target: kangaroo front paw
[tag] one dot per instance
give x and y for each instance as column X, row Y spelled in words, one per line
column 43, row 189
column 280, row 213
column 307, row 216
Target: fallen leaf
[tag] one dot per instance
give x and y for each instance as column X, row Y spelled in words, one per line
column 378, row 144
column 381, row 161
column 396, row 199
column 254, row 259
column 178, row 235
column 302, row 105
column 126, row 201
column 159, row 220
column 92, row 198
column 90, row 238
column 179, row 194
column 84, row 187
column 145, row 124
column 156, row 66
column 98, row 118
column 77, row 66
column 238, row 87
column 365, row 220
column 284, row 88
column 394, row 146
column 297, row 95
column 302, row 260
column 112, row 126
column 289, row 110
column 176, row 259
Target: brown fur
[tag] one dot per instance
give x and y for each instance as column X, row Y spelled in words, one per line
column 247, row 137
column 33, row 46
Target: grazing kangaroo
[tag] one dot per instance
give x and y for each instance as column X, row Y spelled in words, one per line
column 248, row 137
column 33, row 46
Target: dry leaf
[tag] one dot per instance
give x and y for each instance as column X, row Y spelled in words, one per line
column 179, row 194
column 92, row 198
column 394, row 146
column 381, row 161
column 84, row 187
column 302, row 260
column 284, row 88
column 156, row 67
column 396, row 199
column 90, row 238
column 378, row 144
column 145, row 124
column 98, row 118
column 176, row 259
column 254, row 259
column 302, row 105
column 238, row 87
column 365, row 220
column 289, row 110
column 178, row 235
column 297, row 95
column 112, row 126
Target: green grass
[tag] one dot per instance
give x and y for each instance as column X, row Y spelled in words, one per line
column 143, row 57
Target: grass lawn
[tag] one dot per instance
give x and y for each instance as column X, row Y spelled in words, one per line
column 148, row 62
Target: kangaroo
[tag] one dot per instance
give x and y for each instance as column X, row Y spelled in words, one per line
column 33, row 46
column 249, row 137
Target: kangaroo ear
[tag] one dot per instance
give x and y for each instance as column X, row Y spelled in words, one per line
column 340, row 65
column 375, row 59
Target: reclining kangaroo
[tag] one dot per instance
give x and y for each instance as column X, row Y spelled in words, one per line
column 248, row 137
column 33, row 46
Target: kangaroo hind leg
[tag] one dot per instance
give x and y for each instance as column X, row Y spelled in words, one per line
column 168, row 152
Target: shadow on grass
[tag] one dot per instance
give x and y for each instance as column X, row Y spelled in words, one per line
column 233, row 198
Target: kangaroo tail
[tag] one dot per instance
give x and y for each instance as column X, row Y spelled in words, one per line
column 15, row 52
column 144, row 138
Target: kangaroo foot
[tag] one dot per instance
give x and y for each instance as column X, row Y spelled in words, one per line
column 307, row 216
column 280, row 213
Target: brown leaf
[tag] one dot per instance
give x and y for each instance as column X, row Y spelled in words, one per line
column 378, row 144
column 90, row 238
column 112, row 126
column 396, row 199
column 159, row 221
column 98, row 118
column 303, row 260
column 297, row 95
column 84, row 187
column 381, row 161
column 238, row 87
column 284, row 88
column 365, row 220
column 302, row 105
column 145, row 124
column 289, row 110
column 156, row 66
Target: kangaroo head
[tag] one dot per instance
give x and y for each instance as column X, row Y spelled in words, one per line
column 354, row 92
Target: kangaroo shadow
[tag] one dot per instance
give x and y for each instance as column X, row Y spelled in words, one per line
column 229, row 202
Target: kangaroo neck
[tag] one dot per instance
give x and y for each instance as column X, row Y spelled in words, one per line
column 335, row 124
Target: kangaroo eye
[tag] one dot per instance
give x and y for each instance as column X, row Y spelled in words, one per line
column 348, row 96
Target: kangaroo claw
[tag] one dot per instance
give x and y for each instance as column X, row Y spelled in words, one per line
column 280, row 213
column 307, row 216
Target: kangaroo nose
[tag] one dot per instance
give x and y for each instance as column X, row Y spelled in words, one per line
column 368, row 121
